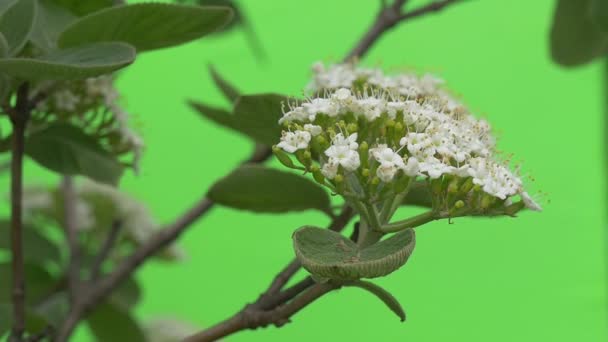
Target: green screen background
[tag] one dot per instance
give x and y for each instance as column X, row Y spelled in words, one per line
column 540, row 277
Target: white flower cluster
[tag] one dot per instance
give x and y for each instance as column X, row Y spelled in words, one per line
column 376, row 133
column 348, row 75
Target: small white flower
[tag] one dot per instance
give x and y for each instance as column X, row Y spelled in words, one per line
column 293, row 141
column 330, row 169
column 350, row 141
column 387, row 157
column 386, row 172
column 342, row 94
column 314, row 130
column 412, row 168
column 343, row 155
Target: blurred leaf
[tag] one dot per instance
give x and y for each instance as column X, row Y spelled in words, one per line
column 67, row 150
column 227, row 89
column 256, row 116
column 598, row 10
column 70, row 64
column 219, row 116
column 168, row 330
column 39, row 248
column 5, row 5
column 83, row 7
column 50, row 22
column 419, row 195
column 17, row 23
column 109, row 322
column 4, row 50
column 34, row 323
column 327, row 254
column 146, row 26
column 575, row 39
column 382, row 294
column 39, row 282
column 127, row 295
column 260, row 189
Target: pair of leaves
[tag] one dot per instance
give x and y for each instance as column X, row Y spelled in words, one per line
column 580, row 31
column 260, row 189
column 39, row 248
column 66, row 149
column 329, row 255
column 256, row 116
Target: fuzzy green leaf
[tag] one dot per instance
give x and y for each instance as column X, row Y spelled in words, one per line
column 260, row 189
column 109, row 322
column 147, row 26
column 229, row 91
column 575, row 39
column 67, row 150
column 83, row 7
column 40, row 249
column 70, row 64
column 51, row 20
column 327, row 254
column 391, row 302
column 17, row 24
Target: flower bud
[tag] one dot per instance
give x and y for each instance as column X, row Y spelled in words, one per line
column 317, row 175
column 459, row 204
column 283, row 157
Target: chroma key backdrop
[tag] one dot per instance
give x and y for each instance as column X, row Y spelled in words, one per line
column 399, row 170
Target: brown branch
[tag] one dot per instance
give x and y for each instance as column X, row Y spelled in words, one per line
column 387, row 18
column 71, row 232
column 19, row 117
column 105, row 250
column 156, row 243
column 253, row 319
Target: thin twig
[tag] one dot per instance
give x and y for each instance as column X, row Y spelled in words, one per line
column 105, row 250
column 388, row 17
column 164, row 237
column 71, row 232
column 19, row 117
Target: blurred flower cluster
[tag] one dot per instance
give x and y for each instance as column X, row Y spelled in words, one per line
column 92, row 104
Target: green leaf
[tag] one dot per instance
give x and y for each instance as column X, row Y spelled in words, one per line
column 70, row 64
column 598, row 10
column 260, row 189
column 17, row 23
column 219, row 116
column 229, row 91
column 39, row 282
column 39, row 249
column 146, row 26
column 327, row 254
column 67, row 150
column 258, row 117
column 575, row 39
column 5, row 5
column 34, row 323
column 4, row 50
column 382, row 294
column 127, row 295
column 51, row 20
column 419, row 195
column 83, row 7
column 111, row 323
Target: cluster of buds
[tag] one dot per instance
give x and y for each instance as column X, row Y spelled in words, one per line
column 370, row 144
column 93, row 104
